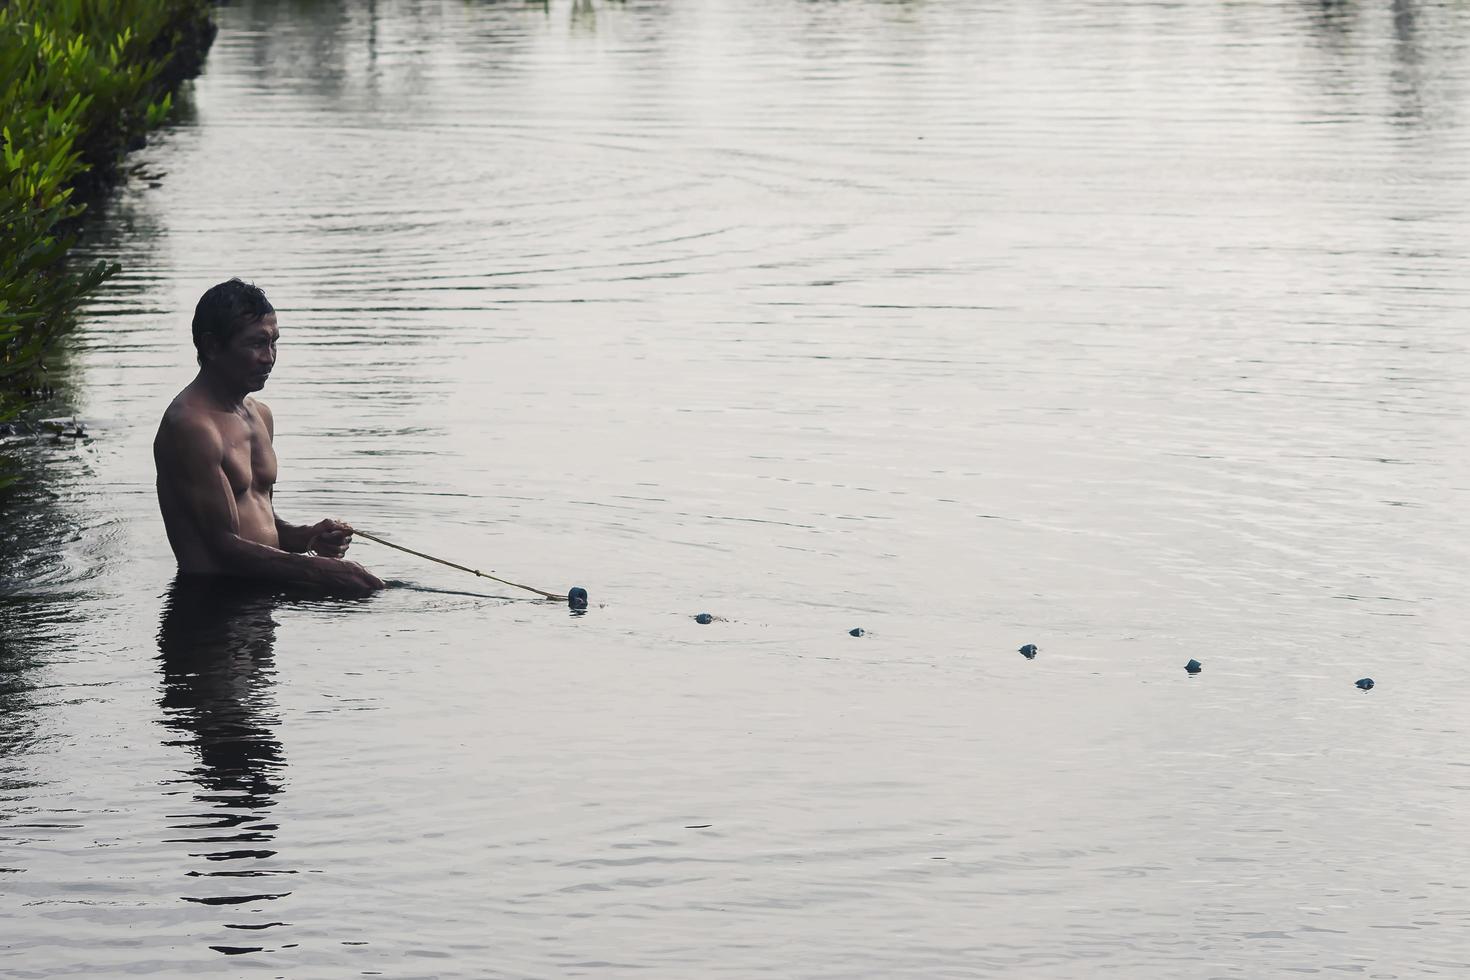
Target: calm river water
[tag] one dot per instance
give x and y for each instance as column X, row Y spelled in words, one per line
column 1134, row 330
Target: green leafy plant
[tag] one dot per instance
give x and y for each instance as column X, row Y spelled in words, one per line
column 83, row 81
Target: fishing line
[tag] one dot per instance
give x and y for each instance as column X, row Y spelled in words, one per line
column 473, row 571
column 412, row 586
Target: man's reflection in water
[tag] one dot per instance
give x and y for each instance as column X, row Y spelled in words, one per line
column 216, row 645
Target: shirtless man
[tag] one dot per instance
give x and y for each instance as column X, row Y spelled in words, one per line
column 217, row 468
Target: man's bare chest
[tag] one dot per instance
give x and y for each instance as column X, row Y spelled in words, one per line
column 249, row 458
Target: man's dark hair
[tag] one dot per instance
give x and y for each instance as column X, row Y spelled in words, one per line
column 225, row 310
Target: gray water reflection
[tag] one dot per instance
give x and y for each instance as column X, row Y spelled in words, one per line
column 1133, row 330
column 216, row 647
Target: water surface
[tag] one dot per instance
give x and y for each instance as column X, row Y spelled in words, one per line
column 1132, row 330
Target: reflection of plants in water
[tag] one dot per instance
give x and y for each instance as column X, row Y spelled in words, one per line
column 34, row 518
column 9, row 468
column 21, row 619
column 34, row 628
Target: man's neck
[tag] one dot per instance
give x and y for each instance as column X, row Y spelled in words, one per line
column 226, row 396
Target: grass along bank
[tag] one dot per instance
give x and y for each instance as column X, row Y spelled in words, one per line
column 81, row 82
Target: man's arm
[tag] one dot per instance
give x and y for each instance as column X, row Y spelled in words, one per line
column 192, row 465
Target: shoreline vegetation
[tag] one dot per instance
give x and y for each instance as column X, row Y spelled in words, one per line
column 81, row 83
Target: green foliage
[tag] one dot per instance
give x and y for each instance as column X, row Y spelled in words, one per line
column 82, row 82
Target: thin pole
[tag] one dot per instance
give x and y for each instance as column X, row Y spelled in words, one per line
column 473, row 571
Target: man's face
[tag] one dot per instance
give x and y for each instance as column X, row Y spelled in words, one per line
column 246, row 361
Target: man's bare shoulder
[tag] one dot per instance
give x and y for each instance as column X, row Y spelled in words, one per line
column 263, row 410
column 189, row 423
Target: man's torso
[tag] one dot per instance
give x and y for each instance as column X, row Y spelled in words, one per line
column 248, row 466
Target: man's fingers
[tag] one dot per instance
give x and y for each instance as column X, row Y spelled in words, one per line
column 330, row 538
column 366, row 579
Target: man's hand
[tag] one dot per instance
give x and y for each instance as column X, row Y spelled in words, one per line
column 349, row 578
column 330, row 539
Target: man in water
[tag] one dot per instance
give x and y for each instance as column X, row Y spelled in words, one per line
column 217, row 468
